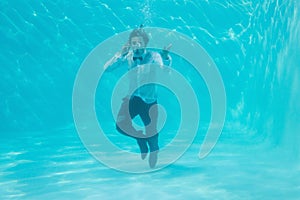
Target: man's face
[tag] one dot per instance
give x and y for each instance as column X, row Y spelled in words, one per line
column 138, row 45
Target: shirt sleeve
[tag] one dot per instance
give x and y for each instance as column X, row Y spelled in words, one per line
column 157, row 59
column 115, row 62
column 168, row 61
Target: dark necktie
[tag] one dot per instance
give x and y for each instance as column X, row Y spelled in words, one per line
column 138, row 58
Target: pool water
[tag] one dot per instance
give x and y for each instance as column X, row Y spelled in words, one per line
column 255, row 46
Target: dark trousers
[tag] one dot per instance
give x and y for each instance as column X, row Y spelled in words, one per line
column 132, row 107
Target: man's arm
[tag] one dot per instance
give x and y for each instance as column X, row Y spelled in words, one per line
column 117, row 60
column 166, row 58
column 114, row 62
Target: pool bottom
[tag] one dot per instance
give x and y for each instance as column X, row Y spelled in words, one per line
column 55, row 165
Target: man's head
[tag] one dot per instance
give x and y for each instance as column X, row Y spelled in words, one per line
column 138, row 40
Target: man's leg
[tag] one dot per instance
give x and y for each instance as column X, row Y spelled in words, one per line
column 129, row 109
column 142, row 142
column 153, row 143
column 124, row 120
column 154, row 148
column 135, row 107
column 149, row 117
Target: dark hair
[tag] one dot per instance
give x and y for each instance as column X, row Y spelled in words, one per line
column 139, row 32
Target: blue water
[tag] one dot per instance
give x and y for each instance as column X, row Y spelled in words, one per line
column 255, row 45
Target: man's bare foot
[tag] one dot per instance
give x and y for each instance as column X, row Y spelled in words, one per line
column 143, row 147
column 153, row 159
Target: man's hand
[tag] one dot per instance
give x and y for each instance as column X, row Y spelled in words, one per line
column 165, row 52
column 119, row 55
column 125, row 49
